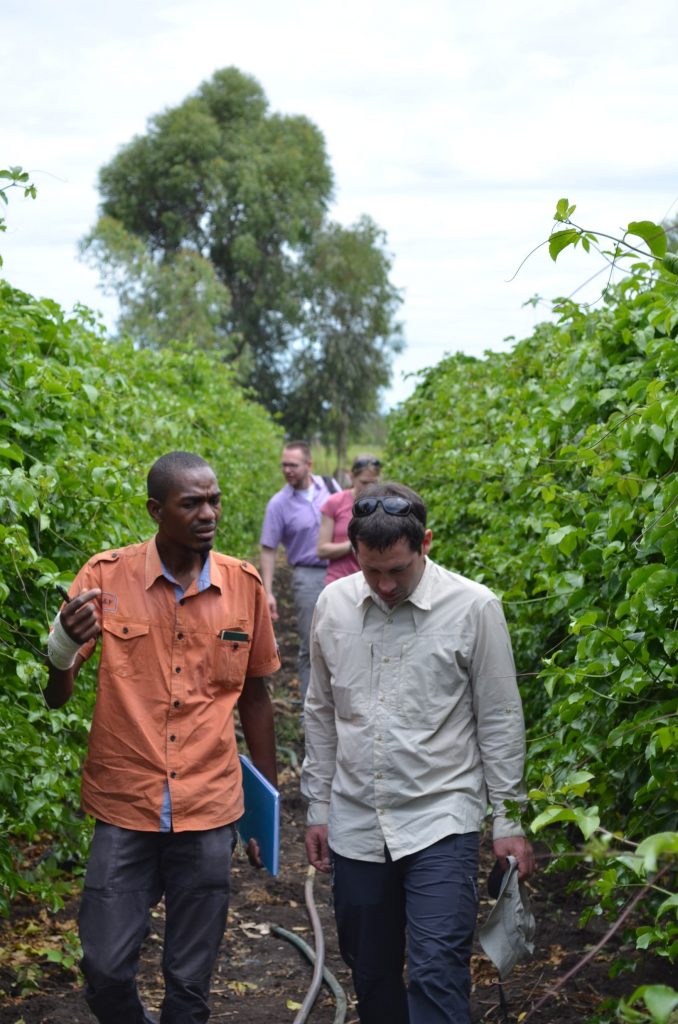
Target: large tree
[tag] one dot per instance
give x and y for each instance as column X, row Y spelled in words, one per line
column 222, row 176
column 214, row 226
column 350, row 334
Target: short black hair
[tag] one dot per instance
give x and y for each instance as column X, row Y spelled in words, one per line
column 380, row 531
column 164, row 471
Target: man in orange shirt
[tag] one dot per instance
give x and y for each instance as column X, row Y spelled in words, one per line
column 186, row 635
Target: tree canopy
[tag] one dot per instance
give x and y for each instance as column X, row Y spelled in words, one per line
column 349, row 334
column 222, row 204
column 180, row 297
column 222, row 176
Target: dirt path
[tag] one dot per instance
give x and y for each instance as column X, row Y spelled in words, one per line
column 261, row 978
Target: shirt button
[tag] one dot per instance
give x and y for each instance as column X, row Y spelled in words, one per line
column 387, row 659
column 177, row 669
column 182, row 600
column 177, row 703
column 172, row 739
column 114, row 554
column 389, row 621
column 125, row 629
column 180, row 636
column 173, row 775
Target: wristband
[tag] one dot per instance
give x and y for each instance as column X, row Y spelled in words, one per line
column 61, row 650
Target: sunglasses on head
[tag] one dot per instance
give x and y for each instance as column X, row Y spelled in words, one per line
column 391, row 504
column 364, row 463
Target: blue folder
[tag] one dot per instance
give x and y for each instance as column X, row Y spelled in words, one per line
column 261, row 819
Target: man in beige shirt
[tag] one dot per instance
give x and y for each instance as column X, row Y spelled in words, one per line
column 413, row 722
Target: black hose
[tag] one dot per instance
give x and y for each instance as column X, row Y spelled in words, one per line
column 329, row 979
column 294, row 761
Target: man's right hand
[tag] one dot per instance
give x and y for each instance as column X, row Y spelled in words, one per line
column 272, row 606
column 81, row 617
column 80, row 620
column 317, row 848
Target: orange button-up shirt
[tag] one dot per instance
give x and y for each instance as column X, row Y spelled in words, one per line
column 169, row 677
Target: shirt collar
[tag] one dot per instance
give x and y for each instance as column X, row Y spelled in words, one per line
column 155, row 569
column 420, row 596
column 422, row 593
column 153, row 564
column 316, row 483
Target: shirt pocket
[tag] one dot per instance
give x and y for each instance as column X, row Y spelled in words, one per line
column 231, row 658
column 125, row 648
column 433, row 680
column 352, row 691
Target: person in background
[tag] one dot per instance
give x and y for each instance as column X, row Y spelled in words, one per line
column 185, row 635
column 292, row 519
column 413, row 723
column 333, row 542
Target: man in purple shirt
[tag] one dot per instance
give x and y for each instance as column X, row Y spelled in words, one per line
column 293, row 519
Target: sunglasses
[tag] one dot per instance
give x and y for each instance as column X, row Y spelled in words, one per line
column 393, row 505
column 364, row 463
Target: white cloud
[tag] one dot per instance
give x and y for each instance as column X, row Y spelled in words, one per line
column 455, row 126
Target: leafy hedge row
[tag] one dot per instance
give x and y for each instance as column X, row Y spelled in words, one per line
column 81, row 421
column 549, row 472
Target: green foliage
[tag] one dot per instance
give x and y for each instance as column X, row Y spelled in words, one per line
column 653, row 235
column 81, row 421
column 32, row 947
column 660, row 1003
column 14, row 177
column 549, row 472
column 214, row 228
column 221, row 176
column 178, row 298
column 68, row 954
column 349, row 335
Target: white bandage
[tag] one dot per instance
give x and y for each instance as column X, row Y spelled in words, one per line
column 61, row 650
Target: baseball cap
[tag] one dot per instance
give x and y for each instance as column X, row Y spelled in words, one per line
column 508, row 934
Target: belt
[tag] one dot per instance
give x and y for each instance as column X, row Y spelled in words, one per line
column 308, row 565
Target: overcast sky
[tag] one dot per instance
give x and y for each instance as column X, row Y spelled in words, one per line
column 455, row 125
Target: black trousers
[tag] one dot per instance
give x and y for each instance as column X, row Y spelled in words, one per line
column 426, row 901
column 128, row 872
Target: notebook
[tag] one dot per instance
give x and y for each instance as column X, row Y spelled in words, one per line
column 261, row 819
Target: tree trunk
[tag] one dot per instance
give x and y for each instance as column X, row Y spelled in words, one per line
column 341, row 441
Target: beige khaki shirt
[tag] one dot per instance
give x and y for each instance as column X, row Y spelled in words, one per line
column 413, row 717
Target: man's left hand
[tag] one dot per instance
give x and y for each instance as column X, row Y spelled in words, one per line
column 521, row 849
column 253, row 852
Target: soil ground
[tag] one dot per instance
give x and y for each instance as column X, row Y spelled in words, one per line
column 262, row 978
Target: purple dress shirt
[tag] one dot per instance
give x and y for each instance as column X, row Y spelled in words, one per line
column 294, row 522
